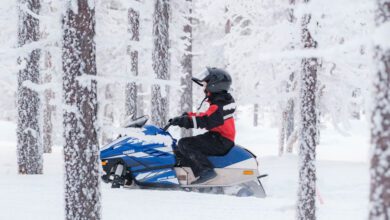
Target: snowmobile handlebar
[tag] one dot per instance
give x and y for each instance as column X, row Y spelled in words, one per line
column 167, row 126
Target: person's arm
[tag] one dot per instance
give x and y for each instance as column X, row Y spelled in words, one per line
column 209, row 119
column 190, row 114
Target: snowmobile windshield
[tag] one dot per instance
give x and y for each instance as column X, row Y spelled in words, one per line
column 200, row 77
column 131, row 122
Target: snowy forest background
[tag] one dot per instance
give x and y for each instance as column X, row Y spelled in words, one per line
column 279, row 53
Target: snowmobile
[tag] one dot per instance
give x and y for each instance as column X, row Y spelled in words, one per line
column 133, row 162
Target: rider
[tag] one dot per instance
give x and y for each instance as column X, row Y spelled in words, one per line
column 218, row 120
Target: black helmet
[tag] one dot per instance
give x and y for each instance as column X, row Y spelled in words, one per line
column 218, row 80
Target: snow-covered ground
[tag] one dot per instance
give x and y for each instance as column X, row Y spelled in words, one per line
column 342, row 184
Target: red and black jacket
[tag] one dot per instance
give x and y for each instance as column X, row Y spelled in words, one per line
column 218, row 117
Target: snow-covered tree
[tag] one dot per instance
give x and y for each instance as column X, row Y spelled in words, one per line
column 380, row 118
column 308, row 110
column 29, row 146
column 288, row 113
column 108, row 113
column 131, row 88
column 161, row 62
column 48, row 107
column 186, row 62
column 81, row 151
column 50, row 69
column 255, row 115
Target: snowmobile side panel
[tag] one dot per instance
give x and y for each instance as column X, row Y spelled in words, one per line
column 225, row 177
column 158, row 177
column 138, row 155
column 127, row 146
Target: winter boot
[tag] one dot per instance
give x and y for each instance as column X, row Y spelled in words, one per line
column 205, row 176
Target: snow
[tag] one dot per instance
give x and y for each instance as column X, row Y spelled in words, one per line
column 260, row 52
column 342, row 172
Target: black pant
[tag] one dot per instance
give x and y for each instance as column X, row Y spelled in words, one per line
column 193, row 151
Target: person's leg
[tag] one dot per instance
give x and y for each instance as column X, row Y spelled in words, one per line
column 196, row 150
column 187, row 148
column 221, row 145
column 181, row 160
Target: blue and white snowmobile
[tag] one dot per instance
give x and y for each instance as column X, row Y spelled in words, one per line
column 131, row 162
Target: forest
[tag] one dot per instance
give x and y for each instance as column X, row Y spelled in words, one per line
column 103, row 100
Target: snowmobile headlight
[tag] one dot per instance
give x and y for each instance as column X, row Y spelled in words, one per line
column 248, row 172
column 104, row 162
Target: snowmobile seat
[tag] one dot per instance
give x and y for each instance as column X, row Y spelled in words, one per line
column 235, row 155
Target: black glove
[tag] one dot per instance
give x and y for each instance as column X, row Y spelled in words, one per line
column 182, row 121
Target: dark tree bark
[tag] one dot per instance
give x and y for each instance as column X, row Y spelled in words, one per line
column 29, row 146
column 81, row 150
column 186, row 62
column 307, row 147
column 160, row 62
column 380, row 120
column 49, row 108
column 131, row 88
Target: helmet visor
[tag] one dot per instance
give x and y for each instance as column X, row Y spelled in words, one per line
column 200, row 77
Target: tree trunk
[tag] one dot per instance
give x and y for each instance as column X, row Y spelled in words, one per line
column 380, row 120
column 256, row 115
column 290, row 113
column 290, row 118
column 29, row 146
column 282, row 133
column 160, row 62
column 186, row 97
column 228, row 29
column 108, row 115
column 307, row 147
column 131, row 88
column 48, row 107
column 228, row 24
column 290, row 124
column 81, row 151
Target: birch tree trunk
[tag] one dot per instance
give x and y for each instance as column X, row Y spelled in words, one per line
column 160, row 99
column 380, row 119
column 306, row 209
column 186, row 62
column 48, row 109
column 131, row 88
column 81, row 151
column 29, row 146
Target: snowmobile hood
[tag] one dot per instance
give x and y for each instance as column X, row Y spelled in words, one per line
column 127, row 144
